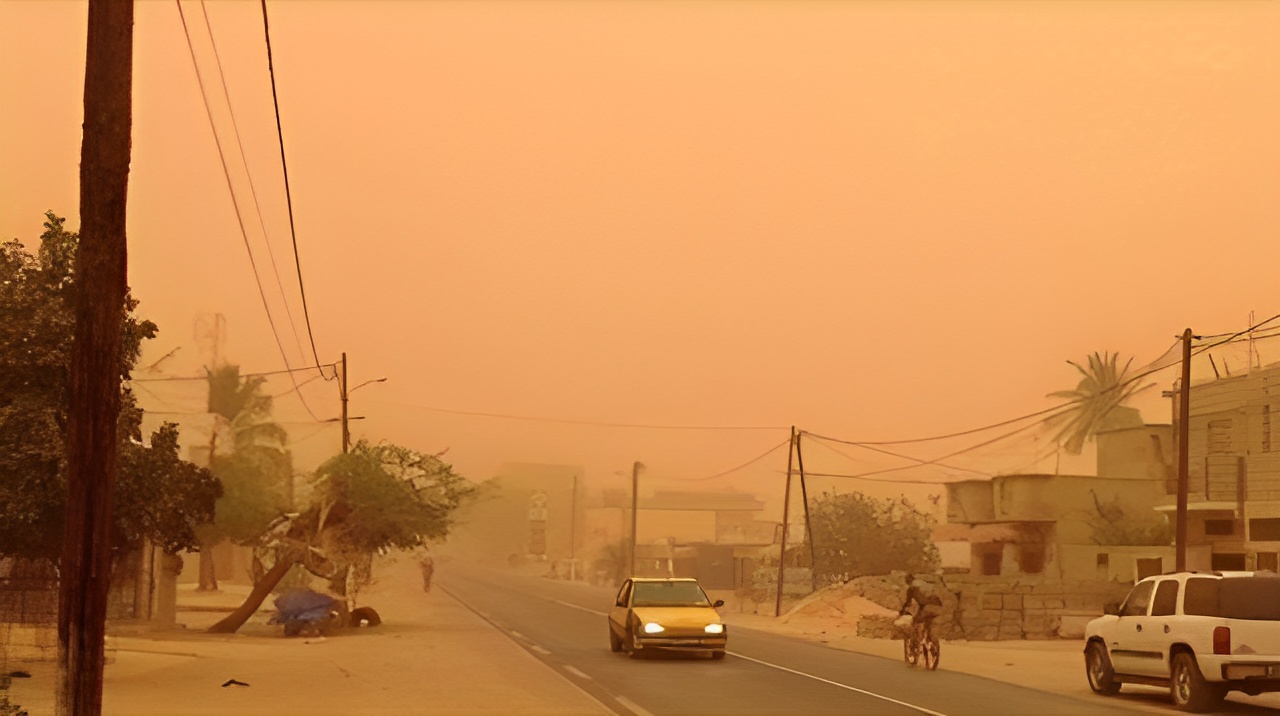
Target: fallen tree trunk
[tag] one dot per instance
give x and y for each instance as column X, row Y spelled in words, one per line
column 233, row 621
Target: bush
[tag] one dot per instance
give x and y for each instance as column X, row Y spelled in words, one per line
column 855, row 535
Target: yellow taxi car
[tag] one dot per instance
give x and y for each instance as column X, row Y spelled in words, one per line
column 665, row 614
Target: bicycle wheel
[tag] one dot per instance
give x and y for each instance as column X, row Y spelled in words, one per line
column 909, row 652
column 932, row 652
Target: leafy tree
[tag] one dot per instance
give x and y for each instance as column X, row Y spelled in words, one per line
column 158, row 496
column 855, row 535
column 255, row 468
column 374, row 499
column 1112, row 524
column 1097, row 402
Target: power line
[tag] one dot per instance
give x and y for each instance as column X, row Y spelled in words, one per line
column 306, row 314
column 242, row 375
column 580, row 422
column 746, row 464
column 822, row 442
column 275, row 333
column 253, row 191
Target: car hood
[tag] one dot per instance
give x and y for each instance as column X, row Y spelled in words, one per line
column 678, row 616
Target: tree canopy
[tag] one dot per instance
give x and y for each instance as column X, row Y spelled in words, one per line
column 1097, row 401
column 159, row 496
column 855, row 535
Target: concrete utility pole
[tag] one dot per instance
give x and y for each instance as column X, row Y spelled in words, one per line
column 346, row 433
column 342, row 386
column 1184, row 418
column 101, row 277
column 635, row 485
column 786, row 510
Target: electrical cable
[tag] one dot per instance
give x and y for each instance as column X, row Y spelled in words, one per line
column 822, row 443
column 306, row 314
column 242, row 375
column 275, row 333
column 746, row 464
column 253, row 191
column 581, row 422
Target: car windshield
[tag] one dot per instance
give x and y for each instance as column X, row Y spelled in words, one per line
column 1254, row 598
column 669, row 594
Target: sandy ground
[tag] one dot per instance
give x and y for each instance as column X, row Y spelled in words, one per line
column 432, row 655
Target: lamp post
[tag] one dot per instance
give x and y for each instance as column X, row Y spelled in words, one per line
column 346, row 431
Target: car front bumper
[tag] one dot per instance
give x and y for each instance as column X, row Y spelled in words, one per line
column 683, row 643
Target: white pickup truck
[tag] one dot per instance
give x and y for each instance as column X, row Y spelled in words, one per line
column 1199, row 634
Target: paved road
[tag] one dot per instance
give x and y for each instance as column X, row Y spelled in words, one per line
column 564, row 625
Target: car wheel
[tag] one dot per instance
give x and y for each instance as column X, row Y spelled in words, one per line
column 718, row 654
column 615, row 644
column 1189, row 690
column 1097, row 666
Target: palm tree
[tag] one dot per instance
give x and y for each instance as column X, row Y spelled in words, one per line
column 257, row 463
column 1097, row 402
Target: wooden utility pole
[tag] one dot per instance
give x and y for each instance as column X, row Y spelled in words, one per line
column 1184, row 415
column 786, row 509
column 101, row 277
column 346, row 432
column 808, row 524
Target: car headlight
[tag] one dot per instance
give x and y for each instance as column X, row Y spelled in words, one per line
column 653, row 628
column 714, row 629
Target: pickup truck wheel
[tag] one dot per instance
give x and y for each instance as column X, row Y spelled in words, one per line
column 1188, row 688
column 1097, row 666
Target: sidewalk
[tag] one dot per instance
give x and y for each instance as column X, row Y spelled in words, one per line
column 1055, row 666
column 431, row 655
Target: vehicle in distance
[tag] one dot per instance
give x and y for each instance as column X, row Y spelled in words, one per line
column 1199, row 634
column 665, row 614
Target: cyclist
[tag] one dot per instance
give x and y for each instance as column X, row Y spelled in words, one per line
column 928, row 604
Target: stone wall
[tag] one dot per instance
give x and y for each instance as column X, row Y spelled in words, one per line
column 991, row 608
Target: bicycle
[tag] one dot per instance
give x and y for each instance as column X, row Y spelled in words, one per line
column 921, row 646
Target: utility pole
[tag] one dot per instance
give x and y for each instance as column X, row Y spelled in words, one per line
column 786, row 509
column 635, row 484
column 1184, row 418
column 808, row 524
column 101, row 277
column 346, row 433
column 573, row 532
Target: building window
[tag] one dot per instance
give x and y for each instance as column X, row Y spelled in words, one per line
column 1031, row 558
column 1220, row 437
column 1104, row 565
column 1265, row 529
column 1227, row 562
column 1267, row 561
column 1149, row 567
column 1220, row 528
column 991, row 558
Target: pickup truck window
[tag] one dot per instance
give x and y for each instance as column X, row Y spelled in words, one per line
column 1165, row 603
column 1252, row 598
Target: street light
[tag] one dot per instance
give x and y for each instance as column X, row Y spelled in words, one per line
column 346, row 432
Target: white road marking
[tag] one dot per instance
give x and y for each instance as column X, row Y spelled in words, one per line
column 518, row 635
column 576, row 672
column 539, row 649
column 836, row 683
column 633, row 706
column 581, row 609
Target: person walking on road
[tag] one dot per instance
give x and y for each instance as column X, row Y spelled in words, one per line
column 428, row 566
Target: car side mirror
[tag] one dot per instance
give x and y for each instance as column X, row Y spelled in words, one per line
column 1112, row 608
column 718, row 603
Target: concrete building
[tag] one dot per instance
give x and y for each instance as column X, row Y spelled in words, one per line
column 716, row 537
column 1233, row 505
column 1072, row 527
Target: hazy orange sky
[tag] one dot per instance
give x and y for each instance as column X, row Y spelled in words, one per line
column 874, row 221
